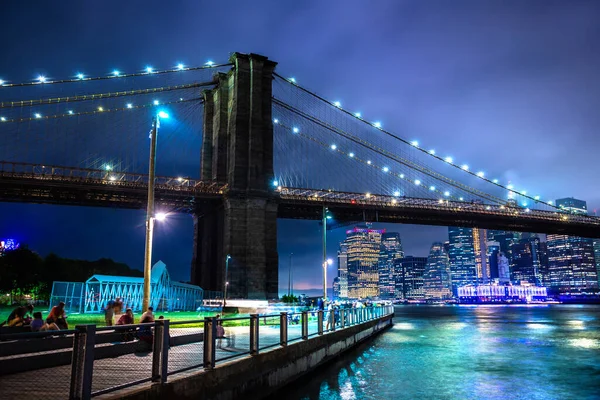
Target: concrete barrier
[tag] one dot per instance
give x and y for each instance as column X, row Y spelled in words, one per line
column 255, row 377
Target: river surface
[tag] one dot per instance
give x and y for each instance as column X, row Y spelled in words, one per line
column 469, row 352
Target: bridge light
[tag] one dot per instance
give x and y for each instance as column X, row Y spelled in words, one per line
column 414, row 143
column 368, row 195
column 180, row 66
column 108, row 167
column 80, row 75
column 333, row 147
column 38, row 115
column 295, row 130
column 149, row 70
column 441, row 201
column 210, row 63
column 70, row 112
column 524, row 192
column 116, row 72
column 465, row 167
column 396, row 193
column 432, row 152
column 129, row 105
column 156, row 102
column 481, row 174
column 550, row 202
column 527, row 210
column 2, row 119
column 357, row 114
column 275, row 121
column 275, row 182
column 163, row 115
column 509, row 187
column 279, row 188
column 160, row 216
column 432, row 188
column 292, row 79
column 369, row 162
column 488, row 208
column 180, row 179
column 41, row 79
column 446, row 193
column 377, row 124
column 351, row 155
column 386, row 169
column 1, row 82
column 448, row 160
column 394, row 201
column 502, row 207
column 537, row 197
column 401, row 176
column 100, row 109
column 112, row 178
column 461, row 199
column 495, row 181
column 329, row 261
column 337, row 104
column 417, row 182
column 524, row 204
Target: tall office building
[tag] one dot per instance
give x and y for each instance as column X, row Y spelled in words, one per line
column 461, row 254
column 493, row 251
column 391, row 250
column 571, row 264
column 342, row 278
column 364, row 246
column 436, row 279
column 409, row 277
column 597, row 258
column 572, row 205
column 529, row 261
column 482, row 268
column 505, row 239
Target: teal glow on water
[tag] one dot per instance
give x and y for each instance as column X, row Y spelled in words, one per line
column 461, row 352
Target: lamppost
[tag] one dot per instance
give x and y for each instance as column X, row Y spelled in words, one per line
column 326, row 216
column 226, row 283
column 150, row 217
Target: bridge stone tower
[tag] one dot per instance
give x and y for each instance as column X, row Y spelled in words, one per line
column 237, row 149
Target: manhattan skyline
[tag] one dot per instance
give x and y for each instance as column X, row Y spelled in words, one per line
column 498, row 86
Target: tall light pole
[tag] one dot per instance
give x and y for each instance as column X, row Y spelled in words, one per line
column 226, row 282
column 326, row 216
column 150, row 217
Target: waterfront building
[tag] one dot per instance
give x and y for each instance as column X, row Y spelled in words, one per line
column 571, row 264
column 505, row 239
column 493, row 250
column 503, row 268
column 342, row 277
column 436, row 278
column 482, row 268
column 391, row 250
column 529, row 261
column 461, row 254
column 572, row 205
column 409, row 277
column 500, row 293
column 363, row 248
column 597, row 258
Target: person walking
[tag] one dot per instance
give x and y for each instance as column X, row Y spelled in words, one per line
column 109, row 313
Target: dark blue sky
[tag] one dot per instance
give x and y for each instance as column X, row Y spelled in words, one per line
column 512, row 87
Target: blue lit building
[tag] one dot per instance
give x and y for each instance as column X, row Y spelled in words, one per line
column 572, row 205
column 409, row 273
column 391, row 250
column 571, row 265
column 436, row 278
column 461, row 254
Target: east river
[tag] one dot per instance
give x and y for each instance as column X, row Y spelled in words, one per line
column 470, row 352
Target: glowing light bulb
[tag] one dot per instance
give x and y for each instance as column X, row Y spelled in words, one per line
column 180, row 179
column 337, row 104
column 495, row 181
column 523, row 192
column 275, row 183
column 129, row 105
column 180, row 66
column 1, row 82
column 149, row 70
column 465, row 167
column 275, row 121
column 402, row 176
column 295, row 130
column 481, row 174
column 160, row 216
column 369, row 162
column 41, row 79
column 356, row 114
column 386, row 169
column 509, row 187
column 38, row 115
column 333, row 147
column 448, row 160
column 210, row 63
column 432, row 152
column 537, row 197
column 156, row 102
column 112, row 178
column 116, row 72
column 100, row 109
column 414, row 143
column 292, row 79
column 550, row 202
column 417, row 182
column 377, row 124
column 396, row 193
column 351, row 155
column 108, row 167
column 446, row 193
column 461, row 199
column 80, row 76
column 432, row 188
column 2, row 119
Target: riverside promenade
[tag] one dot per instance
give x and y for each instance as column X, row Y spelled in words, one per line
column 112, row 362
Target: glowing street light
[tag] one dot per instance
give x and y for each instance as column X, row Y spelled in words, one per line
column 326, row 215
column 161, row 216
column 226, row 282
column 180, row 66
column 41, row 79
column 80, row 76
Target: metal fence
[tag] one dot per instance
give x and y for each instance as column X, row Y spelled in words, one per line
column 90, row 361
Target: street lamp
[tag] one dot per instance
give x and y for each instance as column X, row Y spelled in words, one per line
column 326, row 215
column 226, row 282
column 150, row 217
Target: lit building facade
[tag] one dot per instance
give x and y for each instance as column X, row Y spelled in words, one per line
column 493, row 293
column 436, row 278
column 409, row 272
column 391, row 250
column 597, row 258
column 505, row 240
column 342, row 278
column 461, row 254
column 572, row 205
column 571, row 264
column 363, row 248
column 529, row 261
column 482, row 268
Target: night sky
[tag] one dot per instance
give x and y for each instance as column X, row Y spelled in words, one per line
column 511, row 87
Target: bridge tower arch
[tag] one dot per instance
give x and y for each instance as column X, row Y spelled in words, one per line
column 237, row 150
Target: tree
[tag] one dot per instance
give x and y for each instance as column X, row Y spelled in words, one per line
column 21, row 271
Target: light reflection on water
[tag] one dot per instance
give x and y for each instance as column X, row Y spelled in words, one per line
column 497, row 353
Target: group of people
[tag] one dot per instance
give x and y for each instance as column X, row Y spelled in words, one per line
column 25, row 318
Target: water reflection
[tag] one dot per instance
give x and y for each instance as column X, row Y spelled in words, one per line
column 496, row 353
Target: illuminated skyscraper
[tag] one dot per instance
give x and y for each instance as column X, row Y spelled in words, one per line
column 597, row 258
column 462, row 257
column 436, row 279
column 409, row 272
column 391, row 250
column 529, row 261
column 342, row 278
column 482, row 268
column 505, row 239
column 571, row 264
column 572, row 205
column 363, row 246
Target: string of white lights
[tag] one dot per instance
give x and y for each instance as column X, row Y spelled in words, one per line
column 81, row 77
column 432, row 153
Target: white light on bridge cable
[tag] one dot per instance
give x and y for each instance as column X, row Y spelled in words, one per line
column 377, row 124
column 2, row 119
column 369, row 162
column 414, row 143
column 292, row 79
column 337, row 104
column 386, row 169
column 116, row 72
column 357, row 114
column 180, row 66
column 448, row 160
column 333, row 147
column 275, row 121
column 38, row 115
column 41, row 79
column 537, row 197
column 417, row 182
column 1, row 82
column 465, row 167
column 432, row 188
column 295, row 130
column 275, row 183
column 396, row 193
column 481, row 174
column 210, row 63
column 149, row 70
column 351, row 155
column 446, row 193
column 80, row 76
column 495, row 181
column 129, row 105
column 156, row 102
column 432, row 152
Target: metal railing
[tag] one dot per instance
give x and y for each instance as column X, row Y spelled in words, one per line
column 106, row 359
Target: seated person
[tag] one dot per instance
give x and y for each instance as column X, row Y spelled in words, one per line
column 16, row 318
column 57, row 316
column 145, row 332
column 127, row 319
column 37, row 322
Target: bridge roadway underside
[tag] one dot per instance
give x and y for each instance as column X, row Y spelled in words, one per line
column 347, row 212
column 134, row 196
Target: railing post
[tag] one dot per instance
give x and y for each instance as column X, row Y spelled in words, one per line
column 332, row 319
column 166, row 344
column 210, row 333
column 320, row 321
column 304, row 320
column 343, row 318
column 157, row 343
column 283, row 329
column 254, row 334
column 82, row 362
